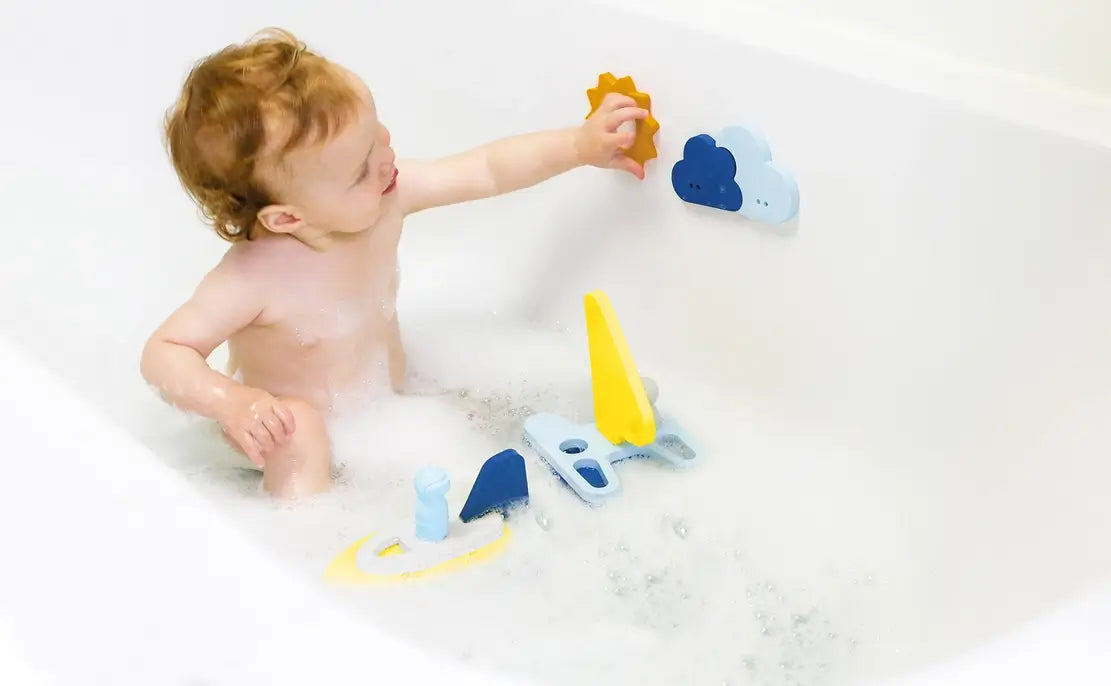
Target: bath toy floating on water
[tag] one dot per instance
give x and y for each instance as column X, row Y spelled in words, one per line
column 501, row 485
column 626, row 421
column 432, row 485
column 735, row 173
column 621, row 407
column 643, row 147
column 430, row 544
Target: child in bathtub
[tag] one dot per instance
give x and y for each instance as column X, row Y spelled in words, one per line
column 284, row 153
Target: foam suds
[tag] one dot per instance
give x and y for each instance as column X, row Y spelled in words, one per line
column 657, row 587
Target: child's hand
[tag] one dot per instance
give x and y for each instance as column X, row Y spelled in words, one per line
column 256, row 422
column 600, row 144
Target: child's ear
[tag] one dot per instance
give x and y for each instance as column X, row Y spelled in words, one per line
column 280, row 218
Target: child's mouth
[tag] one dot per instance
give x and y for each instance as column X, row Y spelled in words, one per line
column 393, row 183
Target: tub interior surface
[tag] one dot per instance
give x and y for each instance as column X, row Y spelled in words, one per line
column 900, row 395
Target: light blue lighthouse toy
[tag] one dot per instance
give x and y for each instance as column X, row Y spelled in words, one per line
column 432, row 485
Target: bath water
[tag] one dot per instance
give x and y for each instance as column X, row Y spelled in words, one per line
column 703, row 576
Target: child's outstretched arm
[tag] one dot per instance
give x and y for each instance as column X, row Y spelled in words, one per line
column 517, row 162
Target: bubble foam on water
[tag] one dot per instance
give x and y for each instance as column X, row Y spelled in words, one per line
column 653, row 588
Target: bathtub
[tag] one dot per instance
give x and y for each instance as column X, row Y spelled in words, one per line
column 901, row 393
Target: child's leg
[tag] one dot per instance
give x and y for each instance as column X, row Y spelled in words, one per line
column 304, row 466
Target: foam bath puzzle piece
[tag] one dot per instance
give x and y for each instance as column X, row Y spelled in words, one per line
column 396, row 555
column 770, row 192
column 584, row 459
column 643, row 147
column 622, row 410
column 626, row 421
column 431, row 516
column 501, row 484
column 706, row 175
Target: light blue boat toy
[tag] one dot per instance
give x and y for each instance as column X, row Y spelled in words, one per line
column 627, row 423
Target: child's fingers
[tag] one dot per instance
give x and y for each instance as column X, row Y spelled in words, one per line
column 613, row 101
column 630, row 165
column 276, row 428
column 247, row 443
column 626, row 114
column 622, row 139
column 262, row 436
column 277, row 425
column 286, row 418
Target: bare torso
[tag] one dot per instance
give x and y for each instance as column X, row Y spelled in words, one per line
column 328, row 330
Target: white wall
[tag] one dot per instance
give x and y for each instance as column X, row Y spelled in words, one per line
column 1059, row 41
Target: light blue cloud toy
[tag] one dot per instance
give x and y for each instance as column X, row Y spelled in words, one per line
column 771, row 193
column 735, row 172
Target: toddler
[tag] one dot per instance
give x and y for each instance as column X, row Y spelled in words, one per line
column 285, row 155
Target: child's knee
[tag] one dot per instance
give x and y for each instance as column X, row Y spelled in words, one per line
column 304, row 465
column 307, row 420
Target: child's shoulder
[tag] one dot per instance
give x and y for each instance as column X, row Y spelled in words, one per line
column 261, row 256
column 252, row 267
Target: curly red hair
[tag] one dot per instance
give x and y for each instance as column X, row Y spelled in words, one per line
column 228, row 117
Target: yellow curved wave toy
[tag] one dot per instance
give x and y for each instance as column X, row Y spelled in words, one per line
column 429, row 543
column 393, row 558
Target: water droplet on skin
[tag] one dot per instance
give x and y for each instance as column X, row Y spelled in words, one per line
column 650, row 579
column 680, row 529
column 764, row 630
column 759, row 615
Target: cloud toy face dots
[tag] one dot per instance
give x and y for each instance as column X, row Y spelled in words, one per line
column 771, row 193
column 705, row 175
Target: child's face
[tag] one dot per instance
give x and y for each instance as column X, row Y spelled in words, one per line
column 339, row 185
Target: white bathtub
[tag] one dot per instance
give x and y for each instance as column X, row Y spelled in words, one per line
column 902, row 394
